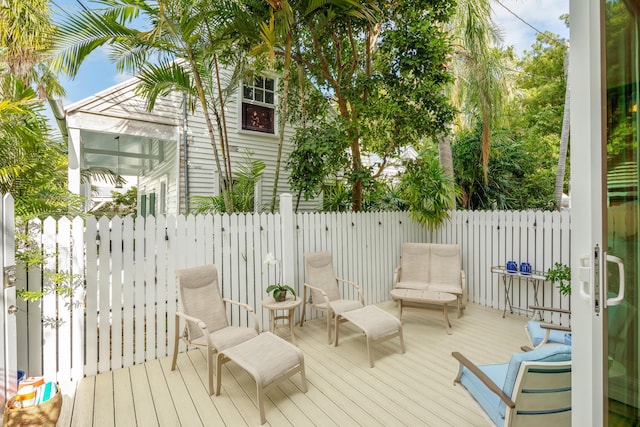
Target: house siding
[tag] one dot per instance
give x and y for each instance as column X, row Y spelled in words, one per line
column 122, row 104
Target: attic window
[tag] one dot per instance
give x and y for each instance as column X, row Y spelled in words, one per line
column 258, row 105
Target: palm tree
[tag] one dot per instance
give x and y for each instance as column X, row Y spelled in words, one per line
column 279, row 29
column 479, row 72
column 177, row 50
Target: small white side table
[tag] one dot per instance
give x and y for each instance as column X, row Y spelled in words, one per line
column 289, row 305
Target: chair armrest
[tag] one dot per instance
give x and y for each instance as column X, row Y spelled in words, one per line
column 354, row 285
column 552, row 309
column 249, row 309
column 396, row 275
column 195, row 320
column 553, row 327
column 482, row 377
column 323, row 293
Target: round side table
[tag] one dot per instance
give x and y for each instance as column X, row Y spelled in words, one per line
column 289, row 305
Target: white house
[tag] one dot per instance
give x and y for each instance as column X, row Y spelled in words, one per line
column 169, row 150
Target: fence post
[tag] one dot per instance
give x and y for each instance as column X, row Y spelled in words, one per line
column 287, row 230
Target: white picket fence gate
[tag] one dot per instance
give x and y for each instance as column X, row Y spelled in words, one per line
column 121, row 310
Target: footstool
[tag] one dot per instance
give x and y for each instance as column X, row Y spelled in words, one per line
column 268, row 359
column 377, row 325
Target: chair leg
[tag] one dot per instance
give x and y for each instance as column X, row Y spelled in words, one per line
column 303, row 376
column 304, row 306
column 369, row 352
column 401, row 336
column 175, row 343
column 335, row 342
column 329, row 326
column 210, row 369
column 219, row 373
column 260, row 392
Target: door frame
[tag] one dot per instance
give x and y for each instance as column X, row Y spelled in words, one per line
column 8, row 335
column 588, row 110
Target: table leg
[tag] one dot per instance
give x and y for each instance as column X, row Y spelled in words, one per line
column 536, row 285
column 447, row 324
column 293, row 337
column 507, row 299
column 272, row 321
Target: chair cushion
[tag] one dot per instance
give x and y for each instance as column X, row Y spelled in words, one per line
column 445, row 266
column 343, row 305
column 266, row 357
column 537, row 334
column 374, row 322
column 200, row 297
column 488, row 400
column 228, row 337
column 551, row 353
column 415, row 262
column 319, row 273
column 422, row 286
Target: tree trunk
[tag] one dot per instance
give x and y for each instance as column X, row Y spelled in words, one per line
column 283, row 118
column 564, row 145
column 446, row 159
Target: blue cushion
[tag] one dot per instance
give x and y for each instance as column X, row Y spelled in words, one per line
column 488, row 400
column 537, row 334
column 551, row 353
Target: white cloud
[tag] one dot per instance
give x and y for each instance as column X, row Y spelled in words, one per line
column 544, row 15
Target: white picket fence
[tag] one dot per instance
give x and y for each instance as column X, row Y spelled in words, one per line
column 121, row 310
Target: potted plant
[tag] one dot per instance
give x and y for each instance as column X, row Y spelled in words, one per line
column 560, row 274
column 279, row 290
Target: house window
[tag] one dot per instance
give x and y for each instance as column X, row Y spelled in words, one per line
column 258, row 105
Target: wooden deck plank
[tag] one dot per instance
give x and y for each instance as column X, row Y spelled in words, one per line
column 163, row 399
column 145, row 411
column 415, row 388
column 198, row 393
column 223, row 403
column 68, row 390
column 103, row 412
column 82, row 415
column 123, row 398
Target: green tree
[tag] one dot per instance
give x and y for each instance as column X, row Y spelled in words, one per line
column 428, row 190
column 247, row 176
column 518, row 176
column 123, row 204
column 384, row 73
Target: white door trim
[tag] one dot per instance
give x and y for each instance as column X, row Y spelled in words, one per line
column 587, row 110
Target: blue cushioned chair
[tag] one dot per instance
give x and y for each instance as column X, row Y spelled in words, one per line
column 534, row 388
column 541, row 333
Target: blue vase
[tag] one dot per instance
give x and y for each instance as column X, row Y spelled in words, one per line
column 512, row 266
column 525, row 268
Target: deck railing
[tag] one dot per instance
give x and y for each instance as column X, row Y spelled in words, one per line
column 120, row 310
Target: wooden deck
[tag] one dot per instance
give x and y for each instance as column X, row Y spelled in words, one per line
column 414, row 388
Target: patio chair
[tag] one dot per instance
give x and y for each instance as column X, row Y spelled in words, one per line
column 542, row 333
column 321, row 281
column 532, row 389
column 431, row 267
column 205, row 313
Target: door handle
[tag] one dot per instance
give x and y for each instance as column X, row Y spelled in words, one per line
column 584, row 276
column 618, row 298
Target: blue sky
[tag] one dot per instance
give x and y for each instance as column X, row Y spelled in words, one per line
column 97, row 73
